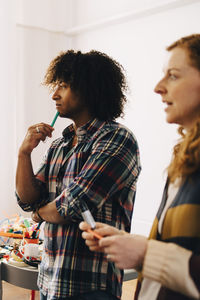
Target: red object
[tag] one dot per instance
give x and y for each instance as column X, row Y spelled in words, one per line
column 6, row 257
column 26, row 235
column 32, row 297
column 31, row 241
column 17, row 253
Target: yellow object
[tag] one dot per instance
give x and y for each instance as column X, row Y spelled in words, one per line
column 15, row 257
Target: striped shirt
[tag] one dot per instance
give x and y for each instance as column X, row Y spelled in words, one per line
column 102, row 170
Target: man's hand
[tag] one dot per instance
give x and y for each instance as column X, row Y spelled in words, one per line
column 35, row 134
column 35, row 217
column 49, row 214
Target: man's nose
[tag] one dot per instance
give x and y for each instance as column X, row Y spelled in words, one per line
column 56, row 95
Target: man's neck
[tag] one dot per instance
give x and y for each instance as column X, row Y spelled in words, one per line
column 81, row 121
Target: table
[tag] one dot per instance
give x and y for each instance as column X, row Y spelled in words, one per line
column 24, row 277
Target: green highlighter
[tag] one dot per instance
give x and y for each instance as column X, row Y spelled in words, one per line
column 54, row 119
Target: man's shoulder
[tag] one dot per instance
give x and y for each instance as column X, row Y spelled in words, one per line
column 115, row 127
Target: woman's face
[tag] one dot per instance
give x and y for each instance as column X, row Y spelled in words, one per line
column 180, row 89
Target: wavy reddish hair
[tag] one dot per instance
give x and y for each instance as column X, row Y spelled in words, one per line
column 186, row 154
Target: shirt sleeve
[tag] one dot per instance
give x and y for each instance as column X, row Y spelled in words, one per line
column 170, row 265
column 112, row 166
column 40, row 177
column 195, row 269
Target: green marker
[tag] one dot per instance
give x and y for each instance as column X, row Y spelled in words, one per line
column 26, row 223
column 55, row 118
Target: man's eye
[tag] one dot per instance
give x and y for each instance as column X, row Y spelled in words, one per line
column 63, row 85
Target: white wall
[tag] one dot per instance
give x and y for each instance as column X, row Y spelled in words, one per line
column 34, row 104
column 137, row 38
column 32, row 34
column 133, row 32
column 40, row 33
column 7, row 101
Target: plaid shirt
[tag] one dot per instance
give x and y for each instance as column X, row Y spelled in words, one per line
column 102, row 170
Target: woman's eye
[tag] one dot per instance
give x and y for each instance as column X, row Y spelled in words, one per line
column 172, row 76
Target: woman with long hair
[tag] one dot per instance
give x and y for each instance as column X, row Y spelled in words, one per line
column 168, row 261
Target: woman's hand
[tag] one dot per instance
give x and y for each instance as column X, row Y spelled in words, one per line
column 126, row 250
column 102, row 229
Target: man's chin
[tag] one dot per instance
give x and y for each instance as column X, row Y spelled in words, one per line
column 65, row 116
column 62, row 115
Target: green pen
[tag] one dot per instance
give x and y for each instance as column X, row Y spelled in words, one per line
column 55, row 118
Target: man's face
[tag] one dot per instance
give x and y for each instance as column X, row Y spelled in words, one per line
column 67, row 103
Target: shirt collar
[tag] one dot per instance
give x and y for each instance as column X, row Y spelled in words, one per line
column 68, row 132
column 87, row 129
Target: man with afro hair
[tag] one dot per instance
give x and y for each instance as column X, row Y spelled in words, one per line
column 95, row 163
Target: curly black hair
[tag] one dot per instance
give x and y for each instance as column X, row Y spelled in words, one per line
column 97, row 79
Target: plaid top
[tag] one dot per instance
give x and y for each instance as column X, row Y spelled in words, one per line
column 102, row 170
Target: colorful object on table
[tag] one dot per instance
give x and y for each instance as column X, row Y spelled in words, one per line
column 18, row 227
column 16, row 255
column 30, row 251
column 12, row 235
column 27, row 223
column 6, row 256
column 22, row 236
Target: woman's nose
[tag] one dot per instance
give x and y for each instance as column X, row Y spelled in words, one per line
column 160, row 88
